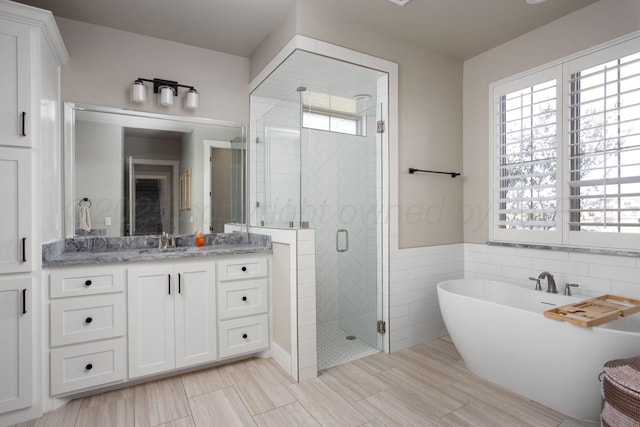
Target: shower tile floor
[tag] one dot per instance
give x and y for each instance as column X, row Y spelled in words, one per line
column 335, row 349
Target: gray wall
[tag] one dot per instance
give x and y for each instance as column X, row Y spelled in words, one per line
column 152, row 147
column 590, row 26
column 104, row 62
column 96, row 176
column 281, row 298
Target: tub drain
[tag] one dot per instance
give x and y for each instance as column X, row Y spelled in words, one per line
column 351, row 337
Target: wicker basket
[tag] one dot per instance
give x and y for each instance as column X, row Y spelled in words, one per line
column 621, row 393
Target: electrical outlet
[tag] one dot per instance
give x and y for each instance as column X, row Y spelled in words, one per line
column 107, row 220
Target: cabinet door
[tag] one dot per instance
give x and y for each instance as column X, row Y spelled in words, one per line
column 195, row 314
column 15, row 215
column 151, row 312
column 15, row 350
column 15, row 83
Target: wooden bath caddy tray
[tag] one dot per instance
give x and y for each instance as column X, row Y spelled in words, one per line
column 595, row 311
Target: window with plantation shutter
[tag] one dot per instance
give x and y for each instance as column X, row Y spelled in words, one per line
column 526, row 168
column 527, row 164
column 604, row 147
column 566, row 151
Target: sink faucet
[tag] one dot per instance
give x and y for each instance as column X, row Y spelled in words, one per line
column 165, row 240
column 551, row 284
column 168, row 239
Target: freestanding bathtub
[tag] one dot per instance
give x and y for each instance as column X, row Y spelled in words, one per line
column 502, row 335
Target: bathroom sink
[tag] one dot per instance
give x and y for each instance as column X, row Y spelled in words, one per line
column 178, row 249
column 165, row 250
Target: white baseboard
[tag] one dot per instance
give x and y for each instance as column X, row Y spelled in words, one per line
column 283, row 359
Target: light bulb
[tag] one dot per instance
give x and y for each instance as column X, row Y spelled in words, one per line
column 138, row 92
column 191, row 100
column 165, row 97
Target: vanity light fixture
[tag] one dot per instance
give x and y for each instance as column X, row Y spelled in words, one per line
column 166, row 90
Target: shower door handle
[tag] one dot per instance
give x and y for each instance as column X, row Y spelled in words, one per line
column 346, row 234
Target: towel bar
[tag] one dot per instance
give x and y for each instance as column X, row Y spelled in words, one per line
column 453, row 174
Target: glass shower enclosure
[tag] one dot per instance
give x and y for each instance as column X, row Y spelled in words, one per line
column 319, row 165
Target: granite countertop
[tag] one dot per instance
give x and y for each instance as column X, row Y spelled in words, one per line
column 101, row 250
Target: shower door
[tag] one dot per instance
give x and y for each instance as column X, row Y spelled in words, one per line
column 342, row 201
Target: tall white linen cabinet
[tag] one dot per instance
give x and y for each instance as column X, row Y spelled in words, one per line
column 32, row 53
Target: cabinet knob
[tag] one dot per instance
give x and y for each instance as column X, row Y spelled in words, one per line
column 245, row 336
column 244, row 268
column 88, row 367
column 87, row 283
column 88, row 320
column 244, row 298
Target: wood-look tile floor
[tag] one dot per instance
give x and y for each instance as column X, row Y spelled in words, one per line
column 426, row 385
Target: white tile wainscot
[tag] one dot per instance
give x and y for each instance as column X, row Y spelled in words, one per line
column 596, row 274
column 414, row 311
column 308, row 361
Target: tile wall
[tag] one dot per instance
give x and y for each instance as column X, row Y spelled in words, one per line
column 308, row 362
column 595, row 273
column 414, row 312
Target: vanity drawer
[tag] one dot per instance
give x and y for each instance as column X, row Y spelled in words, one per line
column 242, row 298
column 86, row 281
column 87, row 365
column 242, row 268
column 75, row 320
column 243, row 335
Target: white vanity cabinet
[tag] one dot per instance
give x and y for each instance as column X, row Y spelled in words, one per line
column 31, row 53
column 243, row 304
column 15, row 84
column 15, row 343
column 87, row 318
column 172, row 316
column 15, row 219
column 113, row 323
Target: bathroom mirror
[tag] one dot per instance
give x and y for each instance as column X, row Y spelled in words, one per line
column 136, row 173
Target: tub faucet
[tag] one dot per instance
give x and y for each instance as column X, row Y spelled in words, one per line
column 551, row 284
column 537, row 280
column 568, row 286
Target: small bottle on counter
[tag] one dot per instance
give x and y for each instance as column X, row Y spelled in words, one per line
column 199, row 239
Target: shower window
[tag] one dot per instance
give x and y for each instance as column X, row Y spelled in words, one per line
column 323, row 121
column 333, row 114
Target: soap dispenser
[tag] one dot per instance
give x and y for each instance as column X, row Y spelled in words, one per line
column 199, row 239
